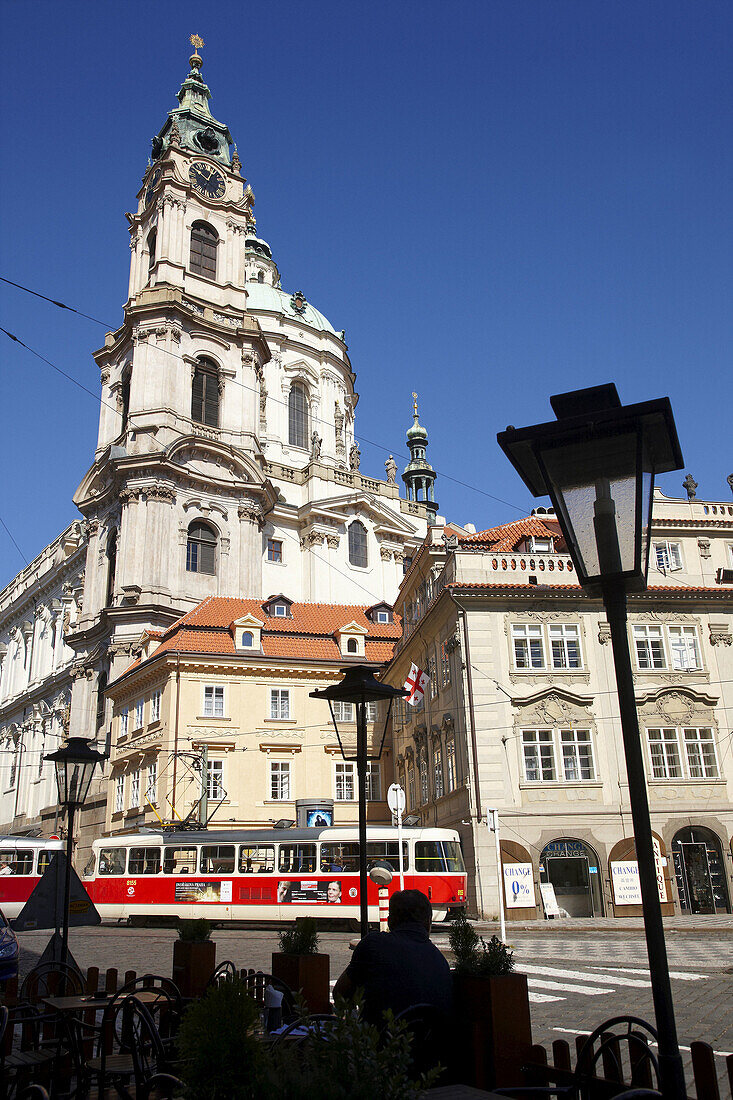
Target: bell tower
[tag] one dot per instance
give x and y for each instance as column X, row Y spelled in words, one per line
column 419, row 476
column 176, row 498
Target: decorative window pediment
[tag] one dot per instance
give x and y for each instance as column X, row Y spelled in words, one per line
column 351, row 639
column 247, row 633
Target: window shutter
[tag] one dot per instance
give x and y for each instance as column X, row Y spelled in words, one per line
column 211, row 401
column 197, row 396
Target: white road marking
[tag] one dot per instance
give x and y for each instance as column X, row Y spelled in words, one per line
column 573, row 1031
column 683, row 975
column 556, row 972
column 590, row 990
column 539, row 998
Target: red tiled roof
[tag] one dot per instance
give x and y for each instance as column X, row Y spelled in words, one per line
column 306, row 618
column 509, row 535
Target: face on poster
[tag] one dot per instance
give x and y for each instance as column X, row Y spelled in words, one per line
column 309, row 892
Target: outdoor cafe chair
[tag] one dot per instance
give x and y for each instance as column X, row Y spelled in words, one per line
column 428, row 1027
column 161, row 1086
column 256, row 984
column 225, row 972
column 50, row 980
column 125, row 1028
column 33, row 1092
column 23, row 1052
column 166, row 1008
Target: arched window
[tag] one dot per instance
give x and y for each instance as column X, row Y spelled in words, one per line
column 358, row 544
column 248, row 638
column 352, row 646
column 298, row 416
column 125, row 395
column 111, row 567
column 152, row 241
column 205, row 393
column 260, row 276
column 201, row 548
column 204, row 240
column 101, row 687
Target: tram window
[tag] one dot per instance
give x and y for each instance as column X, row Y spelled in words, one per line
column 144, row 861
column 298, row 858
column 180, row 861
column 387, row 850
column 428, row 856
column 112, row 861
column 217, row 859
column 453, row 855
column 340, row 857
column 45, row 857
column 256, row 861
column 18, row 860
column 89, row 866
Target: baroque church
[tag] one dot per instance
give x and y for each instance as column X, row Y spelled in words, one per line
column 227, row 464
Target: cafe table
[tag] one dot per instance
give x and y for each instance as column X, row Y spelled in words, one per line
column 83, row 1002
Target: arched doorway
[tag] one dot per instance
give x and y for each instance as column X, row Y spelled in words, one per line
column 700, row 871
column 571, row 868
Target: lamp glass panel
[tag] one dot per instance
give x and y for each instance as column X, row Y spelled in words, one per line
column 594, row 482
column 74, row 778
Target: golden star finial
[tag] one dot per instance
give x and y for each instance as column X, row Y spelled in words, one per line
column 197, row 42
column 414, row 406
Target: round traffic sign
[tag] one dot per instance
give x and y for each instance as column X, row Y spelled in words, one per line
column 396, row 799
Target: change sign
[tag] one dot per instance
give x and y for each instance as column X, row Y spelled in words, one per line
column 518, row 885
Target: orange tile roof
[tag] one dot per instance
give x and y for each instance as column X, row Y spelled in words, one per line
column 307, row 636
column 509, row 535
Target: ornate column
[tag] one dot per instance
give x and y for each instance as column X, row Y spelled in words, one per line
column 250, row 546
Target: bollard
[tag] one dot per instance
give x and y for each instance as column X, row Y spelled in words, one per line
column 383, row 908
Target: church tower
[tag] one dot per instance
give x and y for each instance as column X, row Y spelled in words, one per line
column 419, row 476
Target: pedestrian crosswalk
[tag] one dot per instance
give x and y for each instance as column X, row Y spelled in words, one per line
column 556, row 983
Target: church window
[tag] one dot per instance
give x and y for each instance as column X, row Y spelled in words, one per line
column 111, row 567
column 297, row 416
column 260, row 276
column 201, row 548
column 358, row 544
column 274, row 550
column 204, row 240
column 152, row 242
column 101, row 688
column 125, row 394
column 205, row 393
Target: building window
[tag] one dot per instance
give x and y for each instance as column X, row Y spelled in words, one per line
column 213, row 701
column 374, row 782
column 411, row 788
column 214, row 780
column 201, row 549
column 248, row 639
column 450, row 764
column 565, row 646
column 155, row 707
column 298, row 415
column 280, row 610
column 528, row 649
column 383, row 616
column 444, row 664
column 664, row 751
column 119, row 794
column 577, row 755
column 406, row 564
column 111, row 567
column 125, row 395
column 699, row 753
column 372, row 711
column 438, row 772
column 139, row 714
column 345, row 789
column 423, row 781
column 539, row 756
column 343, row 712
column 279, row 781
column 274, row 550
column 101, row 701
column 358, row 544
column 135, row 789
column 152, row 242
column 432, row 676
column 684, row 648
column 124, row 722
column 151, row 790
column 204, row 240
column 352, row 646
column 279, row 703
column 205, row 393
column 668, row 555
column 649, row 647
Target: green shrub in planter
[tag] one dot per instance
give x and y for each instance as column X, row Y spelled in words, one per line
column 474, row 955
column 221, row 1058
column 194, row 931
column 301, row 939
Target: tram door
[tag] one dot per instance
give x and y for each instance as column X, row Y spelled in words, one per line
column 693, row 873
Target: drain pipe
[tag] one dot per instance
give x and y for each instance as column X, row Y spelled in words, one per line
column 471, row 713
column 175, row 730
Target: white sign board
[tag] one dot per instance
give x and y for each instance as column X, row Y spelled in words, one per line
column 518, row 885
column 625, row 878
column 549, row 901
column 396, row 799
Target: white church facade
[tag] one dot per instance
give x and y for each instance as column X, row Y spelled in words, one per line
column 227, row 464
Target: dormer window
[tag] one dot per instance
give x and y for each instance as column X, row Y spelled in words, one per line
column 380, row 613
column 247, row 640
column 352, row 646
column 280, row 610
column 539, row 546
column 279, row 607
column 247, row 633
column 351, row 639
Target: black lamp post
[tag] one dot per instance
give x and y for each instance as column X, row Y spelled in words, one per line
column 75, row 764
column 360, row 687
column 597, row 462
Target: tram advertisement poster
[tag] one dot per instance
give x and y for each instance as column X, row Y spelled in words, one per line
column 195, row 891
column 308, row 891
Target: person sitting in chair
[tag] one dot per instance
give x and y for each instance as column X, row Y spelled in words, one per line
column 399, row 968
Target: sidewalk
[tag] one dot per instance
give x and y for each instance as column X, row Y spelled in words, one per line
column 696, row 925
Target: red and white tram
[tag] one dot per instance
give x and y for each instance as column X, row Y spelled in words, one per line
column 23, row 859
column 267, row 874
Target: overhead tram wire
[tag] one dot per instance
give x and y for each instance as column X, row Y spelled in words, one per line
column 242, row 385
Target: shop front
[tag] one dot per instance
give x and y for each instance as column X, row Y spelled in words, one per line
column 570, row 877
column 700, row 871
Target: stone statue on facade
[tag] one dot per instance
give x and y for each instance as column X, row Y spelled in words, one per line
column 729, row 479
column 690, row 486
column 391, row 468
column 355, row 457
column 316, row 443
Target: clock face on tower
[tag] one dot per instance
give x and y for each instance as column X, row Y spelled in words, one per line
column 206, row 180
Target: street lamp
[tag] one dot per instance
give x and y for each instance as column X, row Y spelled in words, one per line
column 360, row 687
column 75, row 764
column 597, row 462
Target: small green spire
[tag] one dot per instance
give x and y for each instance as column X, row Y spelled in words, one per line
column 419, row 476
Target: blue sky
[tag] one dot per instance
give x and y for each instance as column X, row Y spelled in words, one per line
column 498, row 201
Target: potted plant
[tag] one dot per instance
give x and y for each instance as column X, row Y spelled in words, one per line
column 299, row 964
column 492, row 1007
column 221, row 1056
column 194, row 957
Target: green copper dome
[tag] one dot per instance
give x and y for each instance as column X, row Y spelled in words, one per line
column 191, row 125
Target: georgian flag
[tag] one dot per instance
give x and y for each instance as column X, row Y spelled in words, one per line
column 415, row 683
